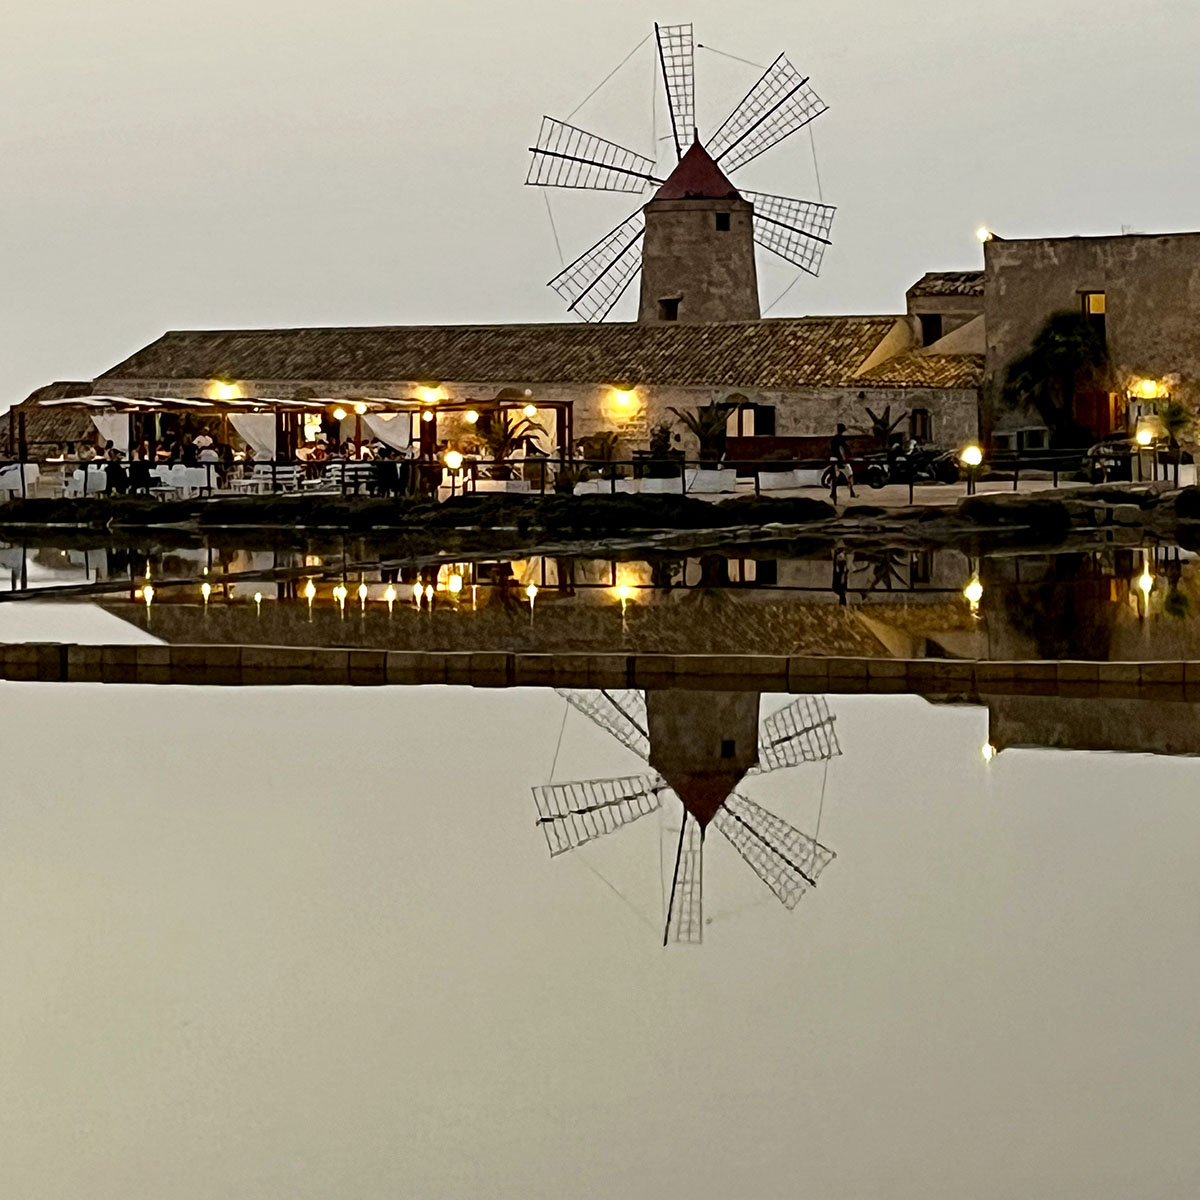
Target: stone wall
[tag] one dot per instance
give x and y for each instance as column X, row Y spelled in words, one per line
column 1152, row 299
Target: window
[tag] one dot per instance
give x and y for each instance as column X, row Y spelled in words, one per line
column 1033, row 438
column 931, row 327
column 722, row 222
column 668, row 309
column 728, row 748
column 920, row 425
column 764, row 420
column 1094, row 306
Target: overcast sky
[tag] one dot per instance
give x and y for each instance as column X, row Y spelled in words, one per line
column 170, row 164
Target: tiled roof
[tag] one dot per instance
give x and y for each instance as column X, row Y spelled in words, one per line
column 697, row 177
column 47, row 425
column 949, row 283
column 927, row 371
column 800, row 352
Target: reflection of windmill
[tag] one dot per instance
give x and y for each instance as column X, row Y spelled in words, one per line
column 695, row 240
column 701, row 745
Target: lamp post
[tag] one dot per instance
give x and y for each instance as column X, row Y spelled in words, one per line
column 971, row 457
column 454, row 461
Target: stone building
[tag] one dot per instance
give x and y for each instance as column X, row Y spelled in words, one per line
column 1142, row 292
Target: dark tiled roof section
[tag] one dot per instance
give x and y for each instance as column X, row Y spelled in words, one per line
column 48, row 425
column 949, row 371
column 799, row 352
column 948, row 283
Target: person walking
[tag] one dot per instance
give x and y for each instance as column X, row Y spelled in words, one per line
column 839, row 462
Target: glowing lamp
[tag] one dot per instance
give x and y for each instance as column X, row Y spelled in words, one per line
column 624, row 593
column 471, row 416
column 984, row 234
column 1144, row 437
column 973, row 593
column 1148, row 389
column 624, row 397
column 427, row 415
column 1145, row 581
column 219, row 389
column 360, row 408
column 454, row 584
column 971, row 456
column 429, row 395
column 530, row 410
column 339, row 414
column 453, row 460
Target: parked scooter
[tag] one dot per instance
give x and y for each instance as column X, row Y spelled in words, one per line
column 913, row 463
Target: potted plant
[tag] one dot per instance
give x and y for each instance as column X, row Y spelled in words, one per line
column 707, row 426
column 502, row 436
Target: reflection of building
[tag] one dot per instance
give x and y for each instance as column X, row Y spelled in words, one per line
column 701, row 745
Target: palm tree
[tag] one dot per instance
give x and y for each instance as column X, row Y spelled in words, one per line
column 1177, row 420
column 882, row 426
column 502, row 437
column 707, row 425
column 1068, row 354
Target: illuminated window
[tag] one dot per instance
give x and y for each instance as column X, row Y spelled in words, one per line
column 1093, row 304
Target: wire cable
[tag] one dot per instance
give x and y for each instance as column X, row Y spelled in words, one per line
column 726, row 54
column 609, row 76
column 558, row 744
column 562, row 262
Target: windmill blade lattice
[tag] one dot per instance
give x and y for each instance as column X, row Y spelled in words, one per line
column 785, row 859
column 676, row 55
column 571, row 814
column 801, row 732
column 775, row 107
column 568, row 157
column 797, row 230
column 597, row 279
column 621, row 712
column 685, row 910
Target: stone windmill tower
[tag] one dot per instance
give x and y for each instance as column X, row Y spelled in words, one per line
column 694, row 241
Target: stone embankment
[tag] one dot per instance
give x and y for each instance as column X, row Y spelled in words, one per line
column 275, row 666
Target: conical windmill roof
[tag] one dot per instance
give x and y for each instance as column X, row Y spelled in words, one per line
column 697, row 177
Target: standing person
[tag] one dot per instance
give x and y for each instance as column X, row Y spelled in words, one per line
column 839, row 459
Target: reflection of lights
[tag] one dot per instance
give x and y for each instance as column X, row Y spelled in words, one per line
column 258, row 603
column 471, row 416
column 362, row 594
column 1144, row 437
column 453, row 460
column 531, row 591
column 310, row 592
column 339, row 414
column 1146, row 581
column 989, row 752
column 206, row 590
column 148, row 595
column 454, row 584
column 429, row 593
column 973, row 593
column 340, row 594
column 390, row 597
column 418, row 591
column 971, row 456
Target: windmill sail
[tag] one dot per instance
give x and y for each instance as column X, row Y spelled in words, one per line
column 677, row 58
column 796, row 230
column 597, row 279
column 568, row 157
column 802, row 732
column 785, row 859
column 775, row 107
column 685, row 910
column 571, row 814
column 622, row 712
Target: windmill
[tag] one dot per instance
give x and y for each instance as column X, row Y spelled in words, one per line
column 700, row 746
column 694, row 241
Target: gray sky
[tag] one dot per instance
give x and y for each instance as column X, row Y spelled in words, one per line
column 171, row 164
column 301, row 944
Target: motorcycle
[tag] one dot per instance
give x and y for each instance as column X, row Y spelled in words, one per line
column 924, row 464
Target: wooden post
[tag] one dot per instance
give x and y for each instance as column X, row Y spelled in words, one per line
column 22, row 450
